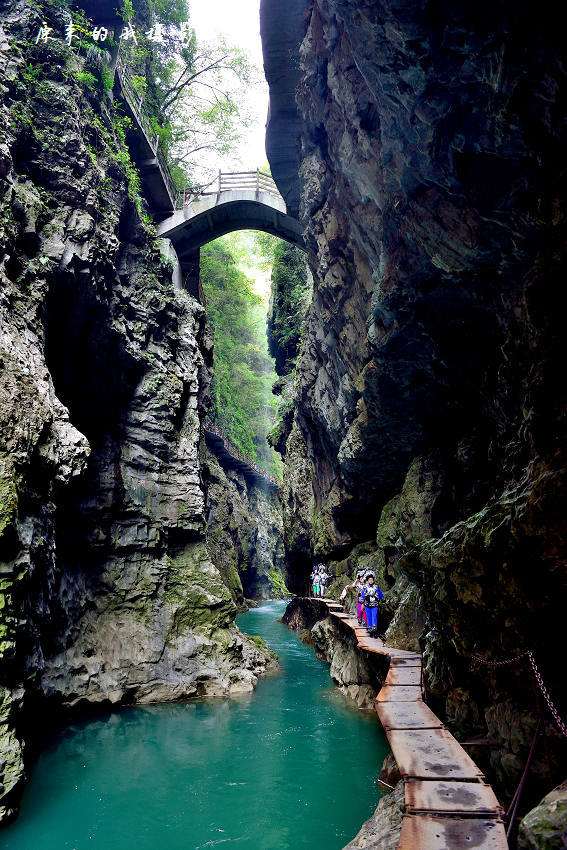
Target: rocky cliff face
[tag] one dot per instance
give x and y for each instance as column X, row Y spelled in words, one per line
column 358, row 677
column 109, row 592
column 244, row 532
column 429, row 429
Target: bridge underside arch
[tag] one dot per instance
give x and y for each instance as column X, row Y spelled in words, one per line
column 189, row 230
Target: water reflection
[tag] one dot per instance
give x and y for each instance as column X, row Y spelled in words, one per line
column 263, row 772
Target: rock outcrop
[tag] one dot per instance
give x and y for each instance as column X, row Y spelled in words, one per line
column 358, row 678
column 283, row 27
column 428, row 434
column 244, row 532
column 382, row 831
column 544, row 828
column 108, row 590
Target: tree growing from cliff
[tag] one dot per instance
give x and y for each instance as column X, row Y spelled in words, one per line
column 195, row 93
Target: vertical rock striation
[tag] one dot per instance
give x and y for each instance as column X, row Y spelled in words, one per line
column 108, row 590
column 428, row 435
column 244, row 532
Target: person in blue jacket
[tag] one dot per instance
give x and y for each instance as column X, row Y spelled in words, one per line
column 372, row 595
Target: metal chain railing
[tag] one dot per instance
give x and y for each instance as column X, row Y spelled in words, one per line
column 528, row 653
column 547, row 696
column 486, row 663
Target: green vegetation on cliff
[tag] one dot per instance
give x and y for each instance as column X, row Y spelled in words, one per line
column 290, row 296
column 243, row 404
column 291, row 293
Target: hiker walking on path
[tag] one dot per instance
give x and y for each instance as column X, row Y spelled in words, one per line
column 315, row 581
column 323, row 580
column 372, row 595
column 357, row 587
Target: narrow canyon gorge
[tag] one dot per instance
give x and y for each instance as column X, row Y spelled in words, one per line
column 422, row 421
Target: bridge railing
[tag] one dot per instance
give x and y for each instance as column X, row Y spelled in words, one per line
column 210, row 428
column 136, row 104
column 237, row 181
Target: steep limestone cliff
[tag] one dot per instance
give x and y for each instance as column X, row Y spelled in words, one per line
column 108, row 590
column 428, row 436
column 244, row 532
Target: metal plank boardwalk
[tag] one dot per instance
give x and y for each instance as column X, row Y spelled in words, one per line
column 448, row 804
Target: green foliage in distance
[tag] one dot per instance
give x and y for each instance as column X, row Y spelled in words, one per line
column 166, row 11
column 291, row 294
column 243, row 374
column 193, row 92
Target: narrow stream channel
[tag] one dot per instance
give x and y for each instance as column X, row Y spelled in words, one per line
column 289, row 767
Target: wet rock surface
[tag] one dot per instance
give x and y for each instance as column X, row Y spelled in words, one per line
column 244, row 533
column 382, row 830
column 108, row 591
column 428, row 434
column 353, row 676
column 358, row 677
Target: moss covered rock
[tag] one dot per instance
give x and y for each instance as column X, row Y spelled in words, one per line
column 545, row 826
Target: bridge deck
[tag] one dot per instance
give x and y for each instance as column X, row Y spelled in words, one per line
column 234, row 208
column 448, row 804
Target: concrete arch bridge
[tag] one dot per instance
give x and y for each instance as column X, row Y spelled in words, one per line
column 245, row 200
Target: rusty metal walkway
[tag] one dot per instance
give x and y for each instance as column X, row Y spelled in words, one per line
column 448, row 803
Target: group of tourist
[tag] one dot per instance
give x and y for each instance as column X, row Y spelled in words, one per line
column 320, row 579
column 366, row 593
column 368, row 596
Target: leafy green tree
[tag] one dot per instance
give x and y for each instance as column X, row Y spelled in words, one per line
column 194, row 92
column 291, row 292
column 243, row 376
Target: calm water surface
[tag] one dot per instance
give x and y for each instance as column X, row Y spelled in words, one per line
column 289, row 767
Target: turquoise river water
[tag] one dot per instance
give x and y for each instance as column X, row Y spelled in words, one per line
column 289, row 767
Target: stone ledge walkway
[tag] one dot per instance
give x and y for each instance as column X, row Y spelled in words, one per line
column 448, row 804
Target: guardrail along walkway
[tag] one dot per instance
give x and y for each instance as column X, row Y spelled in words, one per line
column 448, row 803
column 226, row 452
column 239, row 181
column 154, row 170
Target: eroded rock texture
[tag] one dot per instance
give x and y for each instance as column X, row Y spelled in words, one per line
column 382, row 831
column 544, row 828
column 357, row 676
column 244, row 532
column 108, row 591
column 428, row 437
